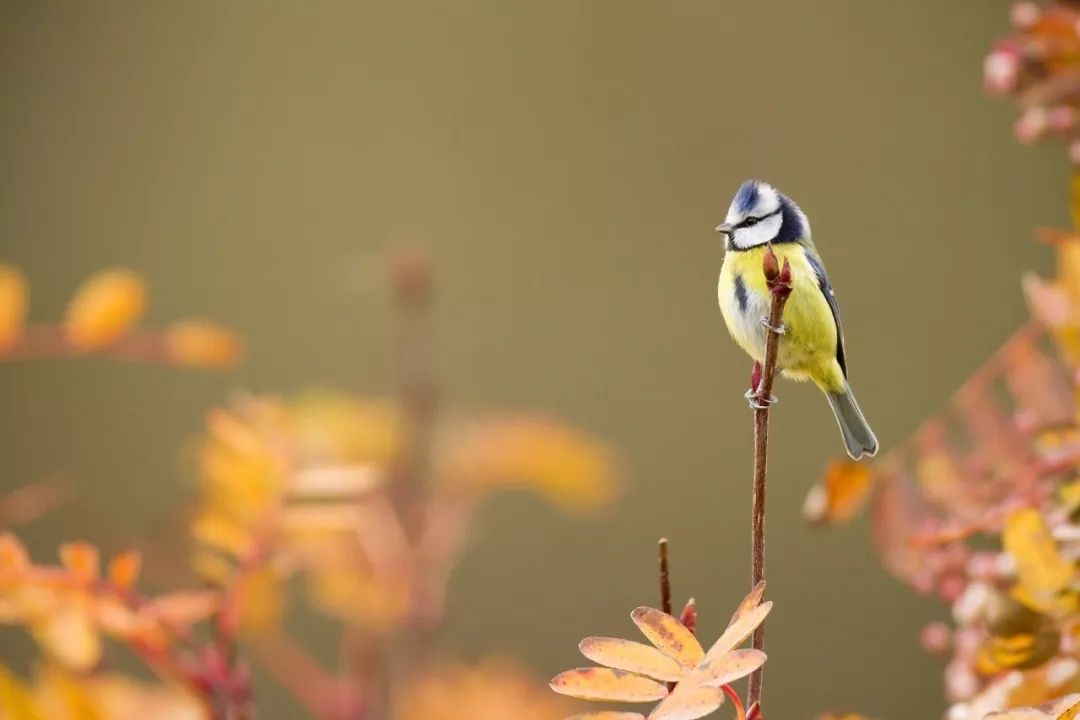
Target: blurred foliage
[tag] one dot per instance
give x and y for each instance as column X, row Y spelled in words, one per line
column 365, row 503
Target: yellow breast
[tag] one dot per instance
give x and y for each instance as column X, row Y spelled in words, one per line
column 808, row 348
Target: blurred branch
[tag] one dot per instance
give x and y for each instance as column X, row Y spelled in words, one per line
column 417, row 392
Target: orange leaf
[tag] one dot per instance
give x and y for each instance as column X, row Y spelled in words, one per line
column 183, row 607
column 669, row 636
column 842, row 493
column 104, row 309
column 202, row 344
column 731, row 667
column 124, row 569
column 606, row 684
column 688, row 703
column 82, row 560
column 13, row 557
column 13, row 302
column 631, row 656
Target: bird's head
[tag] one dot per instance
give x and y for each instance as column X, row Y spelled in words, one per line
column 761, row 214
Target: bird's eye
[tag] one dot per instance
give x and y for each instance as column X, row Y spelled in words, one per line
column 751, row 221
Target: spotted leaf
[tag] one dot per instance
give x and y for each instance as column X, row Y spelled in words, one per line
column 669, row 636
column 631, row 656
column 607, row 684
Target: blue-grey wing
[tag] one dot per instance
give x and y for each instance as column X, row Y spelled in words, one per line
column 830, row 297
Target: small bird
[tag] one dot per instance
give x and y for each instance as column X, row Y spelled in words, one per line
column 812, row 341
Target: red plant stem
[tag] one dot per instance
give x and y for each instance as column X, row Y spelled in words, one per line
column 323, row 695
column 740, row 711
column 780, row 288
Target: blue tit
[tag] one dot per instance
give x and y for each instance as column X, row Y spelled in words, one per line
column 812, row 346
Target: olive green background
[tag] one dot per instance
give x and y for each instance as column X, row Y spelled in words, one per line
column 565, row 162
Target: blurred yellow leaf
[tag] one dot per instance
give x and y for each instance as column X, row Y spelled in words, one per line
column 183, row 607
column 69, row 635
column 669, row 636
column 16, row 701
column 606, row 684
column 840, row 495
column 14, row 299
column 1068, row 267
column 104, row 309
column 202, row 344
column 1071, row 712
column 607, row 715
column 1042, row 572
column 631, row 656
column 490, row 691
column 534, row 453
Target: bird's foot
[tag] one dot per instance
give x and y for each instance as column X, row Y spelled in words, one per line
column 776, row 329
column 757, row 402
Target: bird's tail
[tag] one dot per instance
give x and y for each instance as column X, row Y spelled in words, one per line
column 858, row 437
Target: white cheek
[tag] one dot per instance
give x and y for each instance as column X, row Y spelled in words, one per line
column 758, row 234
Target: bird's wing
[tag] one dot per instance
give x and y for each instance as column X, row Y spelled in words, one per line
column 830, row 297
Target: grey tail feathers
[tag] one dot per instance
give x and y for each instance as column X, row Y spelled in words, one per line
column 858, row 437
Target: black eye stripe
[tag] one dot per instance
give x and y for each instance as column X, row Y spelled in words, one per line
column 752, row 221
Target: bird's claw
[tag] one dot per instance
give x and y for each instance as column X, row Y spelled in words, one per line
column 777, row 329
column 756, row 402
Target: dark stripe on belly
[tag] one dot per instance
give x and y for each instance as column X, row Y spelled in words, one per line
column 740, row 293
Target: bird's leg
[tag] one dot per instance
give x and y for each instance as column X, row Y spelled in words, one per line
column 753, row 395
column 777, row 330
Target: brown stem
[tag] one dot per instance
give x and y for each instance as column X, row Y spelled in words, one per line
column 779, row 283
column 665, row 579
column 50, row 341
column 417, row 392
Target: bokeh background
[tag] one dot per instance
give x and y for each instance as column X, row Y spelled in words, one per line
column 565, row 162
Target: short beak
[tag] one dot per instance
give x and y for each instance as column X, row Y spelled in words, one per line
column 724, row 228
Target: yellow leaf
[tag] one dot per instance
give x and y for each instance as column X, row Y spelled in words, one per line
column 607, row 715
column 731, row 667
column 631, row 656
column 1072, row 712
column 104, row 309
column 1068, row 262
column 606, row 684
column 14, row 298
column 68, row 635
column 748, row 603
column 553, row 459
column 16, row 701
column 202, row 344
column 1043, row 573
column 669, row 636
column 742, row 626
column 688, row 703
